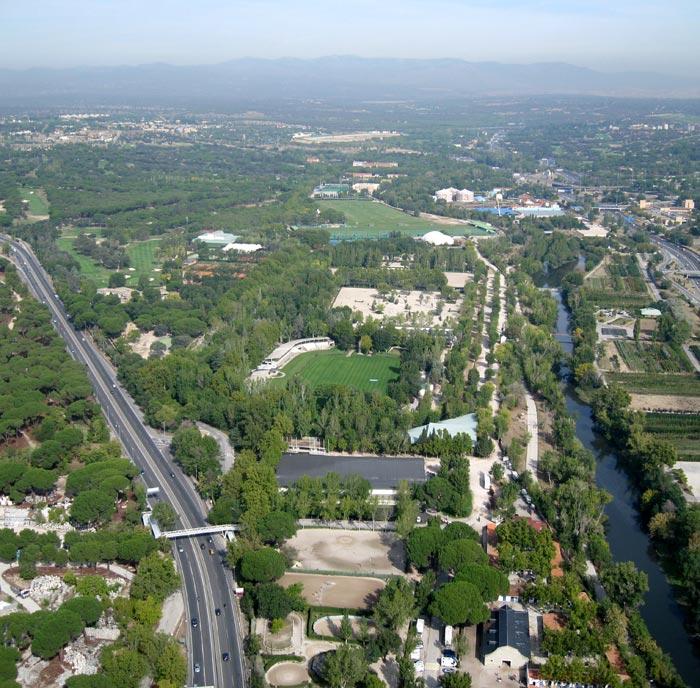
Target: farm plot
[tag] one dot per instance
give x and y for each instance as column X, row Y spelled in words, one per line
column 682, row 430
column 366, row 373
column 653, row 357
column 372, row 220
column 340, row 592
column 650, row 383
column 620, row 286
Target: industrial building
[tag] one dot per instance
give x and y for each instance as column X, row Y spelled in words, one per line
column 452, row 195
column 465, row 424
column 331, row 190
column 506, row 640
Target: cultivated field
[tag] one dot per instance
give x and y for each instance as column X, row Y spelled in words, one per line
column 680, row 429
column 653, row 357
column 617, row 284
column 412, row 308
column 650, row 383
column 367, row 373
column 352, row 551
column 341, row 592
column 371, row 219
column 664, row 402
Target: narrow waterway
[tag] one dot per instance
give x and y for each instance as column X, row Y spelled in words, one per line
column 628, row 542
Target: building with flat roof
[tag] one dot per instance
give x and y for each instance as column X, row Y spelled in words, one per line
column 331, row 190
column 242, row 248
column 382, row 472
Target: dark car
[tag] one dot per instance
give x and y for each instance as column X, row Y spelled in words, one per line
column 210, row 540
column 172, row 475
column 195, row 622
column 225, row 656
column 201, row 545
column 217, row 611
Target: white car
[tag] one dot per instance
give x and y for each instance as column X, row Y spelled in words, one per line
column 419, row 666
column 415, row 655
column 448, row 662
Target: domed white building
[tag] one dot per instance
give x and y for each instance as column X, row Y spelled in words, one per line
column 438, row 239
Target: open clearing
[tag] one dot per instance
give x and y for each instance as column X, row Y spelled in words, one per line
column 412, row 308
column 141, row 256
column 330, row 625
column 366, row 373
column 371, row 220
column 37, row 203
column 341, row 592
column 353, row 551
column 287, row 674
column 664, row 402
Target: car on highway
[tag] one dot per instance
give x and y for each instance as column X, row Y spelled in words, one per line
column 217, row 611
column 180, row 549
column 201, row 545
column 172, row 475
column 226, row 656
column 195, row 622
column 196, row 668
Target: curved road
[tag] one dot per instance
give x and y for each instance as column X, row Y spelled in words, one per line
column 207, row 584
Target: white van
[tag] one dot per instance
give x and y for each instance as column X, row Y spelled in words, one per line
column 448, row 636
column 420, row 625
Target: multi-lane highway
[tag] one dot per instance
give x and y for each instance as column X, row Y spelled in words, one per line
column 207, row 584
column 687, row 262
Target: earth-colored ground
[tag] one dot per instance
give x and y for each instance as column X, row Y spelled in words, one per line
column 343, row 592
column 664, row 402
column 412, row 307
column 692, row 473
column 330, row 625
column 353, row 551
column 287, row 674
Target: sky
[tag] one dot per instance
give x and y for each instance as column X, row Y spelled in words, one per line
column 611, row 35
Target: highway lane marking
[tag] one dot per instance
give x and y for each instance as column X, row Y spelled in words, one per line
column 131, row 433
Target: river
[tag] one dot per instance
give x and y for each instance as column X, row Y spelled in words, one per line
column 628, row 542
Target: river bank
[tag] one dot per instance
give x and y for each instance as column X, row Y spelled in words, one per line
column 627, row 540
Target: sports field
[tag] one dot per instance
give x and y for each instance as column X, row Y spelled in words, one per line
column 371, row 220
column 366, row 373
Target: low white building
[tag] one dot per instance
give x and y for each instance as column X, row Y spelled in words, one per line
column 242, row 248
column 464, row 196
column 447, row 195
column 217, row 238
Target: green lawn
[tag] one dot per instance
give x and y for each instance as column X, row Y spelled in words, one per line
column 38, row 205
column 88, row 268
column 141, row 255
column 369, row 219
column 366, row 373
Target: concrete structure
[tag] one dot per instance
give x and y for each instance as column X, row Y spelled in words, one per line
column 447, row 195
column 538, row 210
column 122, row 293
column 453, row 426
column 369, row 187
column 383, row 472
column 506, row 640
column 650, row 313
column 437, row 239
column 285, row 352
column 217, row 238
column 242, row 248
column 689, row 204
column 464, row 196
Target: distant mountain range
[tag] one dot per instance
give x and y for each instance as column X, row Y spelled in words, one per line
column 250, row 80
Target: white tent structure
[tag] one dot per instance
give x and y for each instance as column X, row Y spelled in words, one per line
column 438, row 239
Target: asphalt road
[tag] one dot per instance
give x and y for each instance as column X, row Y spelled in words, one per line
column 207, row 584
column 686, row 259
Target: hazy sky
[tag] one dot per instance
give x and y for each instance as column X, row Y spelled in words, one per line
column 606, row 34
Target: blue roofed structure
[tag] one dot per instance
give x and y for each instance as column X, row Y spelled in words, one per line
column 465, row 424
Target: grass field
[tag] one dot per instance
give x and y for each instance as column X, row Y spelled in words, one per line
column 38, row 205
column 653, row 357
column 368, row 219
column 650, row 383
column 141, row 254
column 680, row 429
column 366, row 373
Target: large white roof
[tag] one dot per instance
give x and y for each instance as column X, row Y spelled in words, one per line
column 438, row 238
